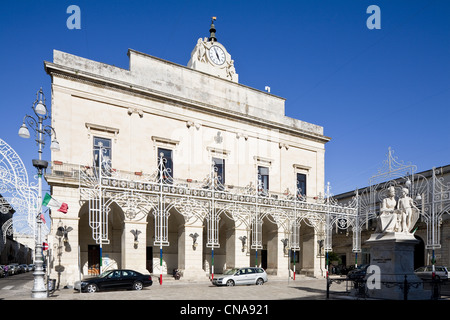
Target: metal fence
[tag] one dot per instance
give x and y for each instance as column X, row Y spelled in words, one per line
column 358, row 289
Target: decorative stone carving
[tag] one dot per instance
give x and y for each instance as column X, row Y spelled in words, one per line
column 200, row 50
column 200, row 60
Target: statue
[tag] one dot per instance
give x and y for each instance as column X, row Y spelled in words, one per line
column 387, row 220
column 199, row 51
column 397, row 217
column 392, row 248
column 408, row 212
column 230, row 69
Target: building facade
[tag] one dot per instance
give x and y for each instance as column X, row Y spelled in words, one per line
column 166, row 166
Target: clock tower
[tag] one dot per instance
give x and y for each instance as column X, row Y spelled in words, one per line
column 211, row 57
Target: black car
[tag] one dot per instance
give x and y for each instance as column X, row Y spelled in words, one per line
column 359, row 273
column 115, row 279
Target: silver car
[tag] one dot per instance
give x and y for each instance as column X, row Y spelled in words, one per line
column 241, row 276
column 426, row 272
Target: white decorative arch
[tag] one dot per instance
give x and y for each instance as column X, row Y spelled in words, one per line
column 17, row 192
column 135, row 206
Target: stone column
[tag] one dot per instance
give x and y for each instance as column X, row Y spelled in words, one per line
column 277, row 260
column 236, row 255
column 282, row 256
column 193, row 255
column 64, row 255
column 134, row 254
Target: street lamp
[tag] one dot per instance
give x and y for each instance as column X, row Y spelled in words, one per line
column 39, row 108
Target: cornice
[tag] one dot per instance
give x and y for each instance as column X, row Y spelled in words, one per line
column 93, row 79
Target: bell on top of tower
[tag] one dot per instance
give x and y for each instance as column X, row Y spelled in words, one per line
column 212, row 30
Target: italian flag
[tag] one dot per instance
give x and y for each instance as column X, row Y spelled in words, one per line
column 49, row 201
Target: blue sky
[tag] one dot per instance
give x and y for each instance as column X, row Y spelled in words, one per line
column 369, row 89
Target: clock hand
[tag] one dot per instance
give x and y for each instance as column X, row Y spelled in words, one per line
column 217, row 55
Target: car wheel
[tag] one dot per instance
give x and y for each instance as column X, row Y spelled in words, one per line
column 230, row 283
column 137, row 285
column 260, row 282
column 91, row 288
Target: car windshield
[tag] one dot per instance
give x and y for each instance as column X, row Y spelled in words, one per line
column 104, row 274
column 362, row 267
column 229, row 272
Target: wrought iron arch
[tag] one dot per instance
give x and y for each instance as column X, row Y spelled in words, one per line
column 189, row 207
column 135, row 206
column 17, row 191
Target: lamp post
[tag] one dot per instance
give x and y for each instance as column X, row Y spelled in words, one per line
column 39, row 108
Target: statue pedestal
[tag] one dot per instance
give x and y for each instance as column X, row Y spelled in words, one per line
column 393, row 253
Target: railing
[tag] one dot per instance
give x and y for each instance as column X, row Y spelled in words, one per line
column 358, row 287
column 72, row 172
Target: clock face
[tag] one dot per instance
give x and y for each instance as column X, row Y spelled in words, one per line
column 217, row 55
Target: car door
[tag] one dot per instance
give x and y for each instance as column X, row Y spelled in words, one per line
column 128, row 278
column 112, row 280
column 251, row 276
column 246, row 276
column 240, row 276
column 440, row 272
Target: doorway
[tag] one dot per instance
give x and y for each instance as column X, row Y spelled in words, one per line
column 264, row 259
column 149, row 259
column 419, row 253
column 93, row 259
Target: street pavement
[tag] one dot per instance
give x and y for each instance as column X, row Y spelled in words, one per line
column 19, row 287
column 176, row 299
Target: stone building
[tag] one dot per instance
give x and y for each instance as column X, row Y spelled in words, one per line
column 13, row 248
column 236, row 166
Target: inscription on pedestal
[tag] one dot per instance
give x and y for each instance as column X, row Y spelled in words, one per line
column 381, row 260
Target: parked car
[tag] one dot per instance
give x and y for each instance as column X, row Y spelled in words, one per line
column 426, row 272
column 13, row 269
column 19, row 268
column 241, row 276
column 6, row 270
column 24, row 267
column 2, row 272
column 358, row 273
column 115, row 279
column 31, row 267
